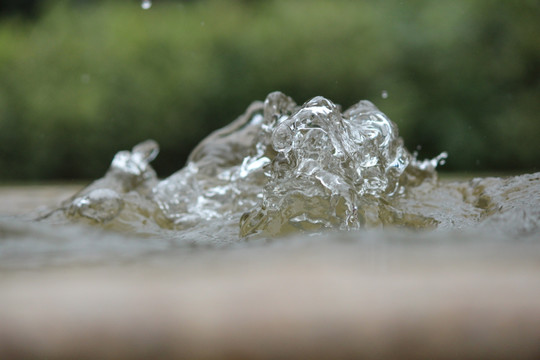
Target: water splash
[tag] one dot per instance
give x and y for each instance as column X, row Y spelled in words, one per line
column 328, row 169
column 279, row 168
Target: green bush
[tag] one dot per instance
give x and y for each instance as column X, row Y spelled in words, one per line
column 82, row 82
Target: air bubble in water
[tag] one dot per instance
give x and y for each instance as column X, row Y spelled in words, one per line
column 146, row 4
column 282, row 138
column 101, row 205
column 384, row 94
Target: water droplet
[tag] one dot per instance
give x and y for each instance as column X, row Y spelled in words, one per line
column 146, row 4
column 384, row 94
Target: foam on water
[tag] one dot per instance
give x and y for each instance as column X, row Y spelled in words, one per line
column 282, row 168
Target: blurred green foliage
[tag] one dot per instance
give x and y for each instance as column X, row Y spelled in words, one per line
column 87, row 79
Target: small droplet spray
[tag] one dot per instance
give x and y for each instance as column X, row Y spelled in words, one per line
column 146, row 4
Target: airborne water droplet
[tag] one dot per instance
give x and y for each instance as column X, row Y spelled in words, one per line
column 146, row 4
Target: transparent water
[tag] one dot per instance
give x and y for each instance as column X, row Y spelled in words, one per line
column 310, row 171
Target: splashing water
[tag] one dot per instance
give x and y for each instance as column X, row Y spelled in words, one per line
column 282, row 168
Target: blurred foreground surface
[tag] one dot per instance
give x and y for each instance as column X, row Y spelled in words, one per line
column 392, row 294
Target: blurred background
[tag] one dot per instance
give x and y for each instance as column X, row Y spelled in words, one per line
column 81, row 80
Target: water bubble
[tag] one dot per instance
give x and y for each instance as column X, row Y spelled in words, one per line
column 282, row 138
column 384, row 94
column 101, row 205
column 146, row 4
